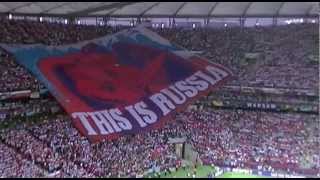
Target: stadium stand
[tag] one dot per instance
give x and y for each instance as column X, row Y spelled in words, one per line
column 45, row 144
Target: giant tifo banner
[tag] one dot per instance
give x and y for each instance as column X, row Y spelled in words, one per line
column 120, row 84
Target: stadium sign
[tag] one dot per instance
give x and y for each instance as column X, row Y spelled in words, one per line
column 15, row 94
column 126, row 83
column 261, row 105
column 35, row 95
column 177, row 140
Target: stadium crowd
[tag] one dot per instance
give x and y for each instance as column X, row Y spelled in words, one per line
column 257, row 140
column 285, row 58
column 13, row 165
column 27, row 108
column 254, row 140
column 284, row 53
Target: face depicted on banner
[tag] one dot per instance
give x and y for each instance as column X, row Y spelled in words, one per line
column 100, row 76
column 109, row 79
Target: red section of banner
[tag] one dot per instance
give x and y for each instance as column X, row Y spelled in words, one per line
column 132, row 89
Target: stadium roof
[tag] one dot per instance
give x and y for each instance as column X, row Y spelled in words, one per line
column 162, row 9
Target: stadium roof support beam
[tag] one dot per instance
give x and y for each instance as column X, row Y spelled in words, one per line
column 246, row 9
column 55, row 7
column 279, row 9
column 276, row 15
column 308, row 11
column 179, row 8
column 24, row 5
column 205, row 16
column 109, row 14
column 99, row 8
column 212, row 9
column 149, row 8
column 164, row 16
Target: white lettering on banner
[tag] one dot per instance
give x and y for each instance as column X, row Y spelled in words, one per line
column 172, row 96
column 101, row 122
column 162, row 102
column 110, row 121
column 206, row 77
column 200, row 84
column 135, row 115
column 122, row 122
column 82, row 116
column 148, row 115
column 107, row 115
column 189, row 91
column 216, row 71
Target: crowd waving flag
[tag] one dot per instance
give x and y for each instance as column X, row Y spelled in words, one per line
column 123, row 83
